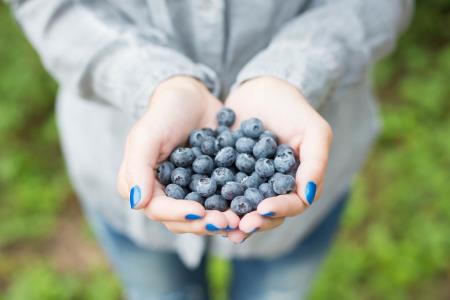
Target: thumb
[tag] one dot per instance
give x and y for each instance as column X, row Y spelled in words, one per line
column 313, row 151
column 140, row 158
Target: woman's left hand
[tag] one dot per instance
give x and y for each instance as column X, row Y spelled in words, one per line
column 284, row 111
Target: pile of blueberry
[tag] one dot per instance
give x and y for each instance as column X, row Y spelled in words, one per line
column 224, row 169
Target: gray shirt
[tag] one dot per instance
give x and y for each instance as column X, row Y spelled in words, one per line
column 108, row 57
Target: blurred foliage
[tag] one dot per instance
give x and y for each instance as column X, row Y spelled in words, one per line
column 395, row 241
column 40, row 281
column 397, row 244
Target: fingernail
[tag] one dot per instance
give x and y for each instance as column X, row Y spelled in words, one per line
column 211, row 227
column 310, row 192
column 269, row 214
column 135, row 196
column 229, row 228
column 192, row 217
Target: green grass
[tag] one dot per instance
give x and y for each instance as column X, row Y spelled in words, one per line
column 395, row 240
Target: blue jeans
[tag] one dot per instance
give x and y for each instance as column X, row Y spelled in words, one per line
column 148, row 274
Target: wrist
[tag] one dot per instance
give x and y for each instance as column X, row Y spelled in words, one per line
column 266, row 87
column 183, row 84
column 270, row 82
column 177, row 88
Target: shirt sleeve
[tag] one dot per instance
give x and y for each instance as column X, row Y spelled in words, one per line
column 97, row 52
column 333, row 42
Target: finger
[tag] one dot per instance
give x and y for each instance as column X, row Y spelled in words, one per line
column 214, row 222
column 314, row 150
column 237, row 236
column 233, row 220
column 162, row 208
column 122, row 185
column 210, row 119
column 141, row 155
column 281, row 206
column 253, row 222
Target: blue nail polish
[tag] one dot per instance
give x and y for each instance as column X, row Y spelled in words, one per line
column 135, row 196
column 310, row 191
column 191, row 217
column 269, row 214
column 211, row 227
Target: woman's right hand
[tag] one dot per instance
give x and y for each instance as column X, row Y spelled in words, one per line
column 178, row 106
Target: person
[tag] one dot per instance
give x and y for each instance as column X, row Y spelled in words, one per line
column 135, row 77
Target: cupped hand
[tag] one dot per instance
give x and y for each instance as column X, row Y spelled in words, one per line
column 284, row 111
column 178, row 106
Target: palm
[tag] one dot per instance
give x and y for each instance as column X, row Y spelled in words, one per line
column 175, row 110
column 176, row 125
column 286, row 115
column 286, row 112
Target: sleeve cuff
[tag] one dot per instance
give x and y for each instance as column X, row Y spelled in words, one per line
column 313, row 71
column 126, row 75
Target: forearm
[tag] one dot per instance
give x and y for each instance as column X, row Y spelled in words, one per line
column 104, row 59
column 332, row 43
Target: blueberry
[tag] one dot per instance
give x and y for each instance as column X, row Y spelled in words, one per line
column 203, row 165
column 209, row 132
column 265, row 148
column 216, row 202
column 221, row 129
column 254, row 196
column 164, row 172
column 245, row 145
column 252, row 128
column 222, row 175
column 226, row 117
column 283, row 184
column 217, row 146
column 186, row 190
column 293, row 170
column 182, row 157
column 181, row 176
column 225, row 139
column 274, row 177
column 194, row 179
column 245, row 163
column 264, row 167
column 197, row 151
column 283, row 148
column 206, row 187
column 231, row 190
column 241, row 206
column 240, row 176
column 269, row 133
column 266, row 190
column 252, row 181
column 208, row 146
column 174, row 191
column 237, row 134
column 284, row 162
column 196, row 137
column 233, row 168
column 194, row 196
column 225, row 157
